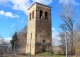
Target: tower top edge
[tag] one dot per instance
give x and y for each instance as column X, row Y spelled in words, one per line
column 39, row 4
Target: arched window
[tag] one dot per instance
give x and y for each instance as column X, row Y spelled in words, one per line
column 32, row 14
column 41, row 12
column 46, row 15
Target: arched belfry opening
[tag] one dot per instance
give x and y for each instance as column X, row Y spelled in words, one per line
column 41, row 13
column 39, row 35
column 32, row 14
column 46, row 15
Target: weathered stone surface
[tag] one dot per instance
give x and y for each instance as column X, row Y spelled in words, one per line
column 39, row 29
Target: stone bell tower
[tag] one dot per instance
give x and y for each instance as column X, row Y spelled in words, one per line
column 39, row 35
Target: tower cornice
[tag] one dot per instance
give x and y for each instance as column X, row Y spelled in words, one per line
column 39, row 4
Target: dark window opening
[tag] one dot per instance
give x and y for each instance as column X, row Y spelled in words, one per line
column 43, row 41
column 41, row 13
column 31, row 35
column 46, row 15
column 32, row 14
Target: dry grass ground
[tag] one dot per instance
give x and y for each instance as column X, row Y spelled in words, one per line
column 37, row 56
column 43, row 54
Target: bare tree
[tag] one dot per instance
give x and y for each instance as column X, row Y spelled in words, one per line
column 77, row 39
column 68, row 14
column 19, row 40
column 22, row 39
column 62, row 36
column 0, row 46
column 3, row 47
column 78, row 27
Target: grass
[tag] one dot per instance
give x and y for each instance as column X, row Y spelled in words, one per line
column 42, row 54
column 49, row 54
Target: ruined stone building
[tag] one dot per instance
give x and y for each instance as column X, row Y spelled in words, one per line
column 39, row 29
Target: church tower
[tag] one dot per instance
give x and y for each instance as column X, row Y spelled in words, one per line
column 39, row 35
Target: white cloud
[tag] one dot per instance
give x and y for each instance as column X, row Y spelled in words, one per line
column 56, row 42
column 12, row 25
column 54, row 32
column 22, row 21
column 53, row 28
column 69, row 1
column 8, row 14
column 55, row 38
column 23, row 5
column 3, row 1
column 6, row 39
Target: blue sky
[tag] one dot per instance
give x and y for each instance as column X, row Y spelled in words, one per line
column 13, row 14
